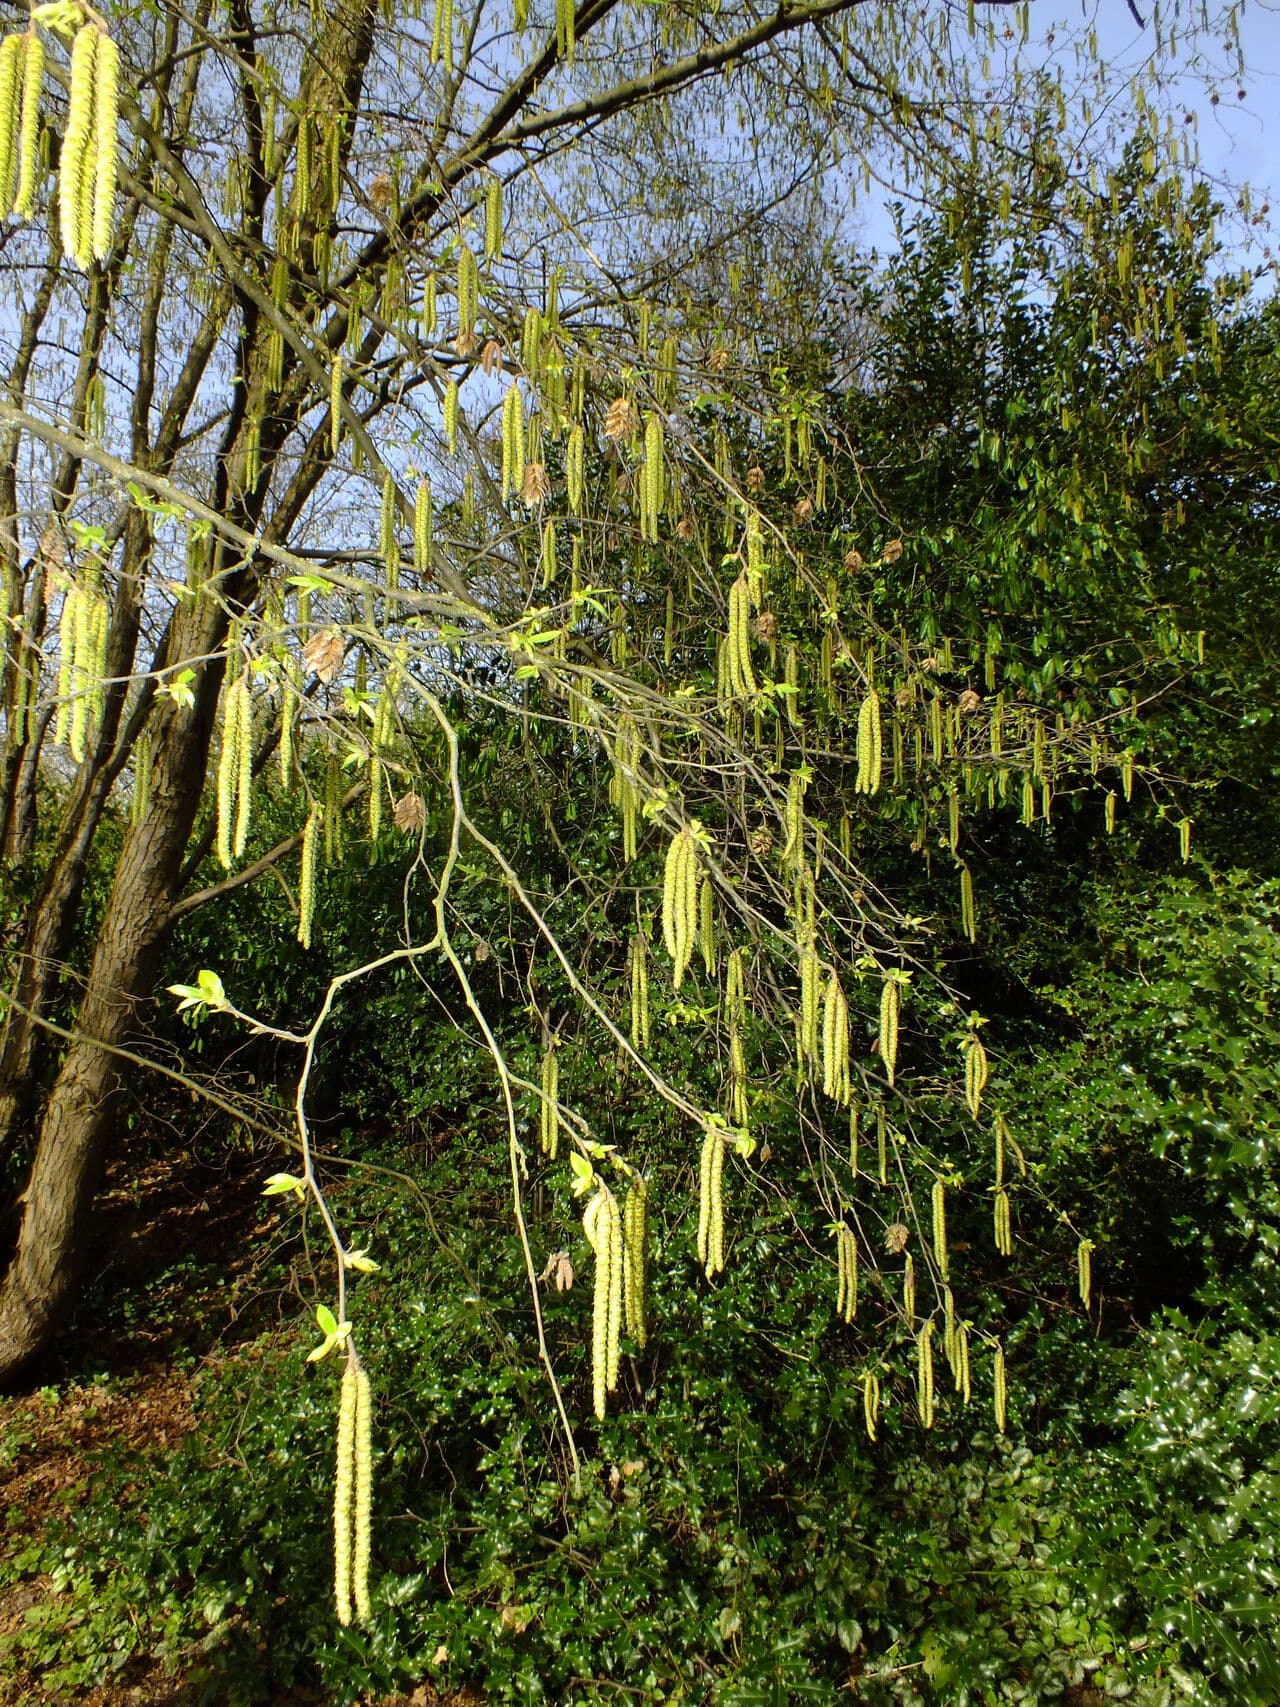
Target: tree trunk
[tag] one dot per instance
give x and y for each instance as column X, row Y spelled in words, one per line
column 39, row 1286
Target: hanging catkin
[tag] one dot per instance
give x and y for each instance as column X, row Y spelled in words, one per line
column 870, row 746
column 707, row 926
column 940, row 1227
column 550, row 1131
column 975, row 1072
column 228, row 772
column 307, row 880
column 12, row 52
column 871, row 1403
column 363, row 1522
column 846, row 1272
column 602, row 1225
column 573, row 468
column 512, row 441
column 890, row 1000
column 680, row 903
column 441, row 48
column 29, row 125
column 343, row 1490
column 638, row 968
column 1000, row 1391
column 924, row 1373
column 422, row 527
column 711, row 1205
column 493, row 220
column 835, row 1041
column 244, row 768
column 651, row 478
column 741, row 676
column 106, row 107
column 635, row 1232
column 1084, row 1270
column 968, row 919
column 76, row 157
column 1003, row 1225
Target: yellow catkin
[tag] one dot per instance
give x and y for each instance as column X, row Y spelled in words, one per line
column 1000, row 1391
column 29, row 126
column 595, row 1226
column 574, row 454
column 680, row 903
column 468, row 291
column 451, row 416
column 493, row 219
column 441, row 48
column 12, row 52
column 106, row 118
column 968, row 918
column 1084, row 1270
column 550, row 1102
column 343, row 1489
column 651, row 480
column 741, row 674
column 940, row 1227
column 1001, row 1134
column 67, row 625
column 422, row 519
column 244, row 769
column 707, row 926
column 335, row 403
column 363, row 1522
column 793, row 849
column 617, row 1288
column 890, row 1003
column 924, row 1373
column 870, row 745
column 846, row 1272
column 307, row 880
column 1003, row 1225
column 639, row 969
column 810, row 977
column 77, row 146
column 512, row 442
column 975, row 1073
column 871, row 1403
column 565, row 28
column 711, row 1205
column 1184, row 839
column 1126, row 775
column 909, row 1291
column 288, row 710
column 550, row 565
column 635, row 1231
column 835, row 1042
column 603, row 1227
column 228, row 773
column 375, row 797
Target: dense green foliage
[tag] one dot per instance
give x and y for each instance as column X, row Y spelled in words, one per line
column 1081, row 511
column 736, row 1525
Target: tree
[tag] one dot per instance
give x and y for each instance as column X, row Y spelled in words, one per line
column 635, row 563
